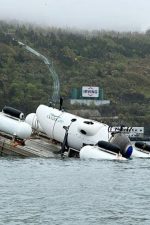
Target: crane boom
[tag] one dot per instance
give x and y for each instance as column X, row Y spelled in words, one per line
column 56, row 84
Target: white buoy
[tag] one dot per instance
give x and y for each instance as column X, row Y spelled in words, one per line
column 15, row 127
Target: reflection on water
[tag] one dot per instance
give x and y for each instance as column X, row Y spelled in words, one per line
column 72, row 191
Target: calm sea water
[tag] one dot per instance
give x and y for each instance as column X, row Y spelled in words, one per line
column 73, row 192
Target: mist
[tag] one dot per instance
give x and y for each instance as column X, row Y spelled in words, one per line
column 118, row 15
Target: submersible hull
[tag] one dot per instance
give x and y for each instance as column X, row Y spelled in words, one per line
column 82, row 134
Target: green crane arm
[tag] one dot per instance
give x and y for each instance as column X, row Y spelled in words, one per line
column 56, row 84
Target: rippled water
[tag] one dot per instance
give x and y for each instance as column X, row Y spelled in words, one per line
column 72, row 191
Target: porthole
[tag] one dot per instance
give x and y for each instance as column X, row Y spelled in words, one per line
column 83, row 132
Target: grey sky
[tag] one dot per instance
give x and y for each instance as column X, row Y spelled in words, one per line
column 122, row 15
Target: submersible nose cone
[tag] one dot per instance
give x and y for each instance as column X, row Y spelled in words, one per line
column 128, row 152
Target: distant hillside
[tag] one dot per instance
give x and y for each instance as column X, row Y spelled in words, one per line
column 118, row 62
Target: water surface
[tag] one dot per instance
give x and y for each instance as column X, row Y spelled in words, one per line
column 74, row 192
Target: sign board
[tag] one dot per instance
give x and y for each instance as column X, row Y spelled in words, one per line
column 91, row 92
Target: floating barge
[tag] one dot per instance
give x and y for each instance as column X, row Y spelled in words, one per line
column 36, row 146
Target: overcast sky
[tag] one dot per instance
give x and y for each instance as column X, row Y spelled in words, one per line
column 121, row 15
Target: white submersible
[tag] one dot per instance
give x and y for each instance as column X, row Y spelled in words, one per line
column 81, row 134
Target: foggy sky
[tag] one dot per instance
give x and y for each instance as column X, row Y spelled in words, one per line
column 121, row 15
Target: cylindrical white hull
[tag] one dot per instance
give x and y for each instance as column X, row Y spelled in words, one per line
column 82, row 131
column 94, row 152
column 140, row 154
column 15, row 127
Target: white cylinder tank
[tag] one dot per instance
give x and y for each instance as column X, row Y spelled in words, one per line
column 31, row 119
column 15, row 127
column 82, row 131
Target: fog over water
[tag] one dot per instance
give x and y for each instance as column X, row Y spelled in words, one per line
column 121, row 15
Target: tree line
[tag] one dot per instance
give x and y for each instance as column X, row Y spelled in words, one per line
column 117, row 62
